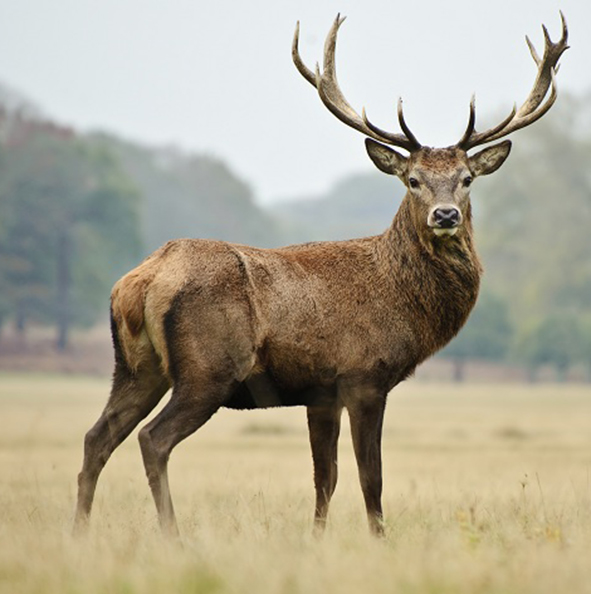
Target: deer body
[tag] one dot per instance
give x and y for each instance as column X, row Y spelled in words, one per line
column 328, row 325
column 281, row 311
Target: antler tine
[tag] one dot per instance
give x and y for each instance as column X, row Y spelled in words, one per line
column 404, row 127
column 532, row 50
column 408, row 141
column 549, row 61
column 297, row 59
column 331, row 95
column 472, row 138
column 330, row 47
column 471, row 123
column 534, row 107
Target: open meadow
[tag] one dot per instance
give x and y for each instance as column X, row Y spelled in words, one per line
column 487, row 489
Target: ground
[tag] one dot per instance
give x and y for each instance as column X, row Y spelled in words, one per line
column 487, row 489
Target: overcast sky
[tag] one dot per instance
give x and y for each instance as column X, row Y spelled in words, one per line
column 216, row 76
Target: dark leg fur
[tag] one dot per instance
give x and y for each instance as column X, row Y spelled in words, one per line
column 132, row 398
column 324, row 427
column 189, row 408
column 366, row 411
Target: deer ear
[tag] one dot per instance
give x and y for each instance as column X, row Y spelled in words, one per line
column 386, row 159
column 489, row 159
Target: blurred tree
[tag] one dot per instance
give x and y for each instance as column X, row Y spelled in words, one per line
column 356, row 206
column 585, row 346
column 191, row 196
column 486, row 335
column 555, row 340
column 534, row 218
column 69, row 224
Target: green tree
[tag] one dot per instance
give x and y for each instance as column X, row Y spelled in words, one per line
column 533, row 223
column 70, row 225
column 584, row 355
column 187, row 195
column 556, row 340
column 486, row 335
column 533, row 218
column 356, row 206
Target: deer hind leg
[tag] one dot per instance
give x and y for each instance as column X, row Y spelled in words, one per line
column 192, row 404
column 133, row 397
column 324, row 426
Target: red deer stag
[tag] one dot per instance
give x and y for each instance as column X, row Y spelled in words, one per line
column 327, row 325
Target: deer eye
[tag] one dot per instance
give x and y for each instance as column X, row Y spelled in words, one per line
column 413, row 182
column 467, row 181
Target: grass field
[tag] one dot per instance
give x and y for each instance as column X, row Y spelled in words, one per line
column 487, row 489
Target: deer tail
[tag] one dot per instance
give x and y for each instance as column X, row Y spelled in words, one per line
column 128, row 300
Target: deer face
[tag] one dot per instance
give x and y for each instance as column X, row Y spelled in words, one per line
column 438, row 181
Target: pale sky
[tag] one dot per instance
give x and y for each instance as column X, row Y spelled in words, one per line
column 216, row 77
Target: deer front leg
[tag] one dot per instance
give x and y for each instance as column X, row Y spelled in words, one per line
column 366, row 411
column 324, row 424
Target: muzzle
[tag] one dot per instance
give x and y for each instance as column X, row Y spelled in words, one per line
column 445, row 219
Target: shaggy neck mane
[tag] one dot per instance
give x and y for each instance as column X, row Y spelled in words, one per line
column 438, row 277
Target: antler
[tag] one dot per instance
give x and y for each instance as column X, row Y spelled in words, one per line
column 330, row 94
column 533, row 108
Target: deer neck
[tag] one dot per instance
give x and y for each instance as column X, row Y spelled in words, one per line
column 436, row 278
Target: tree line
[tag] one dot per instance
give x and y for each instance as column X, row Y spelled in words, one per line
column 68, row 225
column 78, row 210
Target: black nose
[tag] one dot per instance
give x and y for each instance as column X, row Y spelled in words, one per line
column 446, row 217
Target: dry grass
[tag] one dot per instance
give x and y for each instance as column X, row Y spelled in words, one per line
column 487, row 489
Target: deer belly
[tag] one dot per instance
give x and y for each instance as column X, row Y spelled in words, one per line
column 264, row 391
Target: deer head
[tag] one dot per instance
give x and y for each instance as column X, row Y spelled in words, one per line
column 438, row 180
